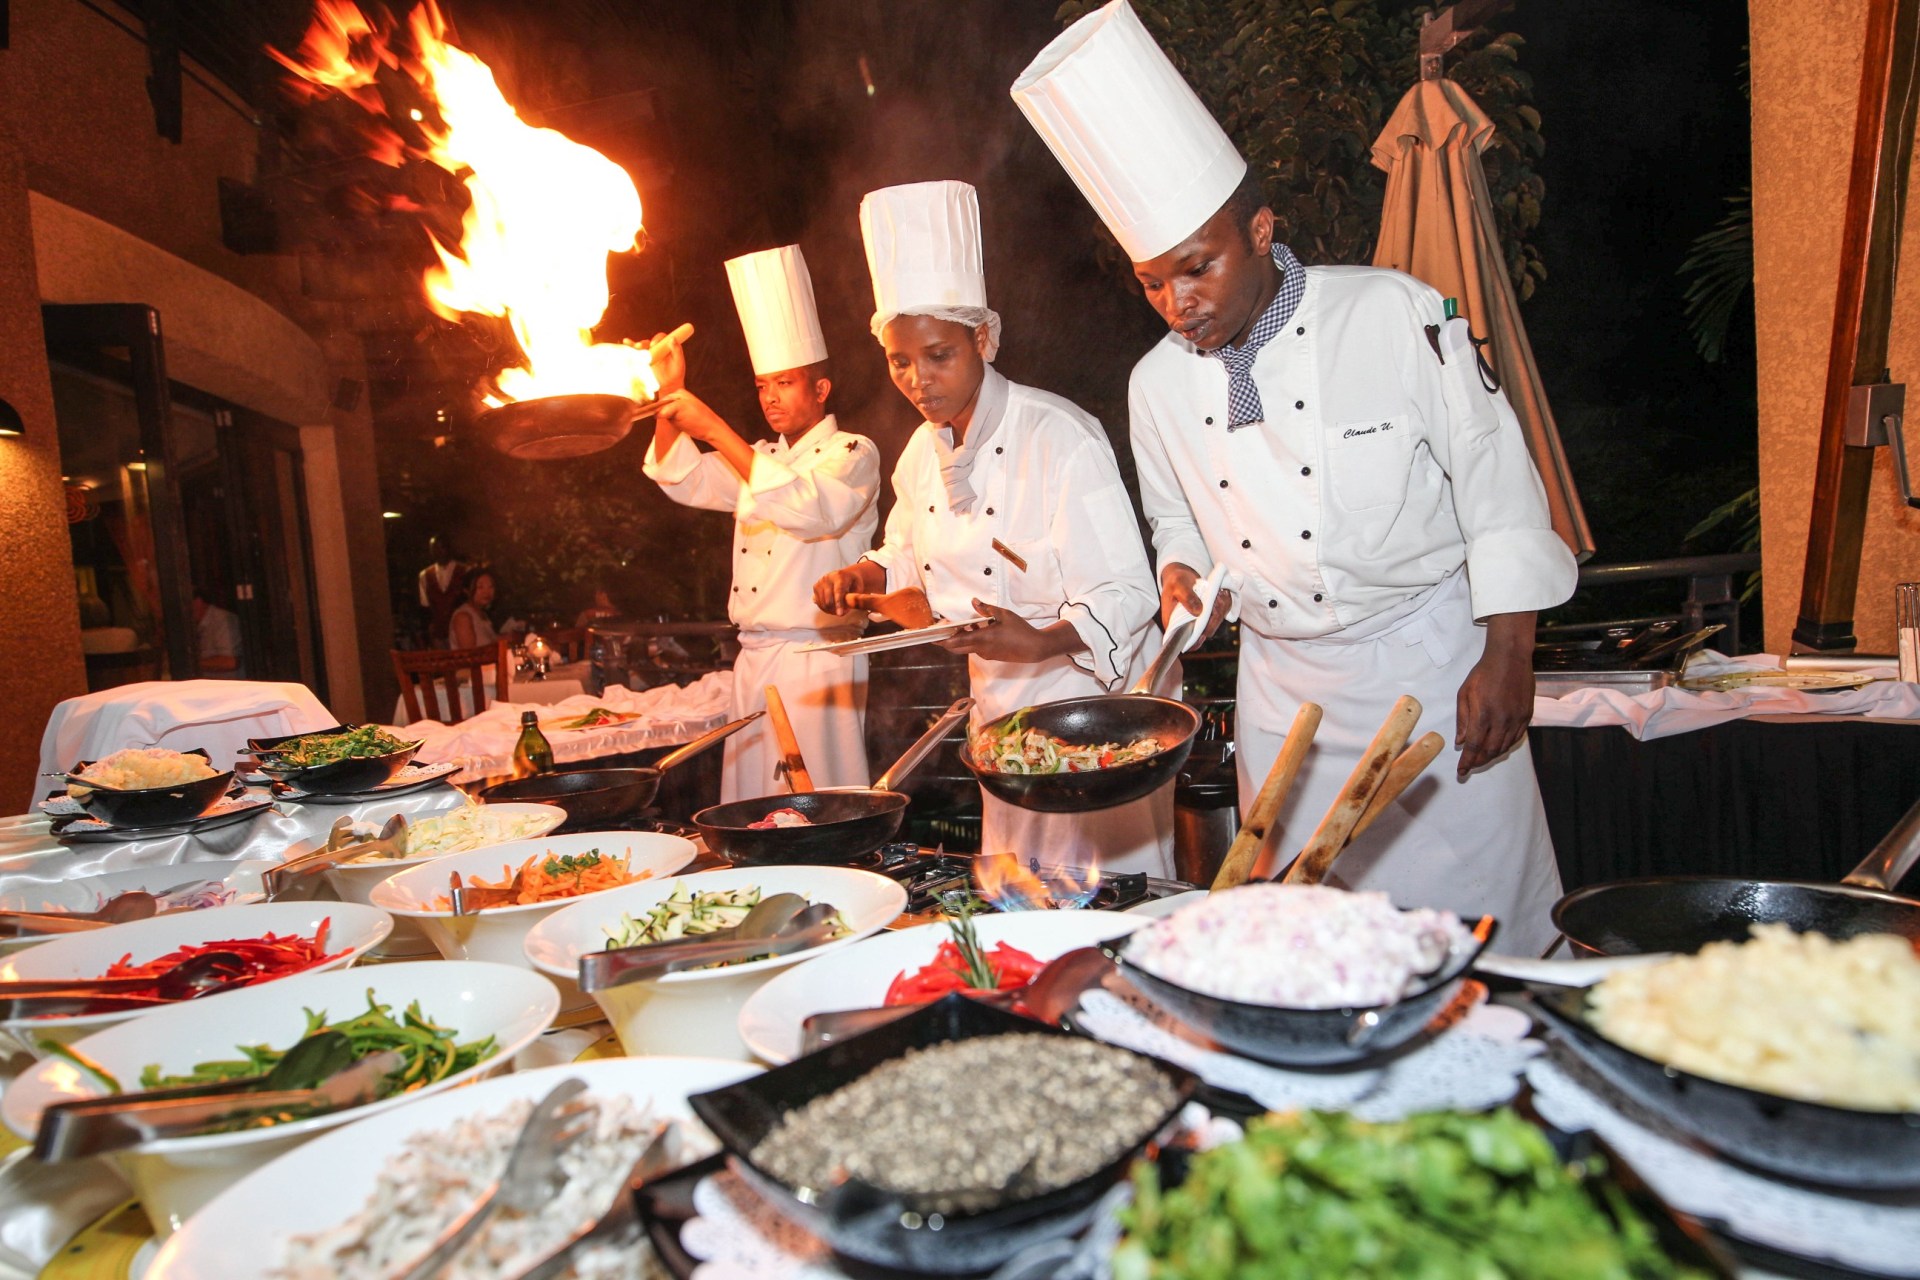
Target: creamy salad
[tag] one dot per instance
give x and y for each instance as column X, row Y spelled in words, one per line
column 1298, row 946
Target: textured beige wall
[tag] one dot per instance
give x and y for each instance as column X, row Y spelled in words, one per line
column 40, row 660
column 1806, row 85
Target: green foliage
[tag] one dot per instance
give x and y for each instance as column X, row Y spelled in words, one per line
column 1721, row 264
column 1304, row 87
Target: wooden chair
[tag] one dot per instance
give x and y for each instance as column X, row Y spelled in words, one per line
column 569, row 644
column 425, row 670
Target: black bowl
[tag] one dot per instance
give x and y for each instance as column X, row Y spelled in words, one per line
column 1306, row 1037
column 1113, row 718
column 261, row 746
column 340, row 777
column 877, row 1229
column 846, row 826
column 155, row 806
column 1836, row 1146
column 594, row 799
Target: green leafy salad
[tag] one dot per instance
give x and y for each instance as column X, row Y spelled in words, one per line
column 355, row 744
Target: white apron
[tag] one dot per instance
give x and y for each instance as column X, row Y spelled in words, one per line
column 826, row 699
column 1478, row 847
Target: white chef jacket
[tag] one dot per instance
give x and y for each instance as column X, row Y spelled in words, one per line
column 1047, row 487
column 806, row 508
column 1362, row 489
column 1349, row 515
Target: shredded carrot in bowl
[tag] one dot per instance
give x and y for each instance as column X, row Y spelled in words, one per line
column 546, row 878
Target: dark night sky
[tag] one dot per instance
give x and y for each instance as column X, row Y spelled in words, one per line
column 768, row 135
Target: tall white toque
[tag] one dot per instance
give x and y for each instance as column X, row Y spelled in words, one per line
column 1132, row 134
column 923, row 252
column 774, row 295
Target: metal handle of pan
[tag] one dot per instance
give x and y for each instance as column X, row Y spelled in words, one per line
column 910, row 758
column 1172, row 645
column 1892, row 858
column 680, row 755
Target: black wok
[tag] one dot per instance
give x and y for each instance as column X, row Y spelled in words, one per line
column 1117, row 717
column 598, row 798
column 1838, row 1146
column 1684, row 913
column 844, row 823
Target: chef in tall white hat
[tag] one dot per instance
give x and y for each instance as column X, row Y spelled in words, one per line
column 1009, row 506
column 803, row 503
column 1375, row 502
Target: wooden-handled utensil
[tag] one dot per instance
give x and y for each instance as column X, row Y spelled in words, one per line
column 1245, row 851
column 792, row 763
column 1406, row 767
column 1365, row 780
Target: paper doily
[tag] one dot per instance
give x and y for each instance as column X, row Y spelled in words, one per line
column 239, row 802
column 1472, row 1065
column 1877, row 1232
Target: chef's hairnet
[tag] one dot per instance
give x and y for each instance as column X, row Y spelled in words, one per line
column 972, row 317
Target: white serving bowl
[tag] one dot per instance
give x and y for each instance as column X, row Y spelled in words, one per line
column 857, row 977
column 85, row 893
column 697, row 1012
column 498, row 934
column 328, row 1180
column 354, row 931
column 357, row 881
column 174, row 1177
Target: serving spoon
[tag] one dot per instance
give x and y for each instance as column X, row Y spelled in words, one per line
column 203, row 974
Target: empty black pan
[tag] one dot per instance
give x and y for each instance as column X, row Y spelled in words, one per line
column 843, row 823
column 1115, row 717
column 598, row 798
column 1684, row 913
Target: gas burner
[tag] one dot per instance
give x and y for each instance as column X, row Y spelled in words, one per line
column 926, row 874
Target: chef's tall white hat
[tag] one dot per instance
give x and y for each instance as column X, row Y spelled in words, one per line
column 774, row 295
column 923, row 252
column 1129, row 131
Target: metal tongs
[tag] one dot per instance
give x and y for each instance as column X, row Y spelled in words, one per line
column 340, row 847
column 93, row 1126
column 777, row 925
column 134, row 904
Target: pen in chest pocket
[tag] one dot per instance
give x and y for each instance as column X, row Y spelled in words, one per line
column 1011, row 556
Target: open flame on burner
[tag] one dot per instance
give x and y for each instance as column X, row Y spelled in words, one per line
column 1011, row 885
column 545, row 212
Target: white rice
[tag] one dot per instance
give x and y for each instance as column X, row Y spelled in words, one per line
column 140, row 767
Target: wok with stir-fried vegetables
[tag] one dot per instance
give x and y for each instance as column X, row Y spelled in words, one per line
column 1017, row 747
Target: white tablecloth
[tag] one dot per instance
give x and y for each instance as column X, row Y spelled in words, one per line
column 1664, row 712
column 482, row 745
column 566, row 680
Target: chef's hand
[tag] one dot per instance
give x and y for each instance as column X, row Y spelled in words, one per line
column 1012, row 638
column 685, row 411
column 831, row 592
column 1177, row 590
column 1496, row 699
column 669, row 364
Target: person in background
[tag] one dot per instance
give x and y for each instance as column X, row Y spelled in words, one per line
column 803, row 502
column 471, row 624
column 1324, row 433
column 602, row 609
column 440, row 586
column 1008, row 505
column 216, row 634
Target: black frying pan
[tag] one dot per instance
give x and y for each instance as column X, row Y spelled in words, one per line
column 597, row 798
column 1114, row 717
column 845, row 823
column 1684, row 913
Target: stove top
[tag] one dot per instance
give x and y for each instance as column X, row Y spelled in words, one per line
column 927, row 873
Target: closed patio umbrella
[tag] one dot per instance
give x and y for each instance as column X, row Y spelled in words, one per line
column 1437, row 225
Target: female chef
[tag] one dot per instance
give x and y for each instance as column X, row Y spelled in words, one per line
column 1377, row 505
column 1008, row 505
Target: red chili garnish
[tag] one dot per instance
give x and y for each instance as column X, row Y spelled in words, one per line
column 266, row 957
column 947, row 972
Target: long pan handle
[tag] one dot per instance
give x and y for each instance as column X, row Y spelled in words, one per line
column 1410, row 765
column 910, row 758
column 794, row 764
column 1892, row 858
column 1245, row 850
column 1331, row 835
column 712, row 737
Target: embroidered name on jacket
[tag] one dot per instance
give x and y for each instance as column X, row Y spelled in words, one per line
column 1351, row 432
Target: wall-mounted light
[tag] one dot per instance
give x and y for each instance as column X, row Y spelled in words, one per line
column 389, row 515
column 136, row 466
column 10, row 423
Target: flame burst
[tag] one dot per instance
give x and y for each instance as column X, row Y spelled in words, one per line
column 545, row 212
column 1011, row 885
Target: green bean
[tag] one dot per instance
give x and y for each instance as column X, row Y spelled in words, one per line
column 81, row 1060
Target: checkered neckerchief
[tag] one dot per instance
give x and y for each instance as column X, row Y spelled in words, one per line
column 1243, row 397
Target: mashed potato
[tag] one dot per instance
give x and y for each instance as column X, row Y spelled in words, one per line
column 141, row 767
column 1796, row 1014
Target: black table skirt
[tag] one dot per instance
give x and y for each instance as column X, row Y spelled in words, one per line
column 1751, row 800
